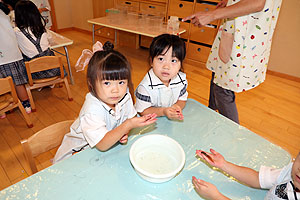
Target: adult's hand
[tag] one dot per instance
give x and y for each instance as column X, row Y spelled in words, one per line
column 201, row 18
column 222, row 4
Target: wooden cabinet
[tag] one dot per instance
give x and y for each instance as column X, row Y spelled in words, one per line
column 132, row 6
column 197, row 51
column 204, row 35
column 198, row 40
column 180, row 8
column 151, row 7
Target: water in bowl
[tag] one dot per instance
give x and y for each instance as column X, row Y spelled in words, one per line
column 155, row 162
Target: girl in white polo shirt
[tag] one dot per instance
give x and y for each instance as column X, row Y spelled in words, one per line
column 107, row 114
column 164, row 88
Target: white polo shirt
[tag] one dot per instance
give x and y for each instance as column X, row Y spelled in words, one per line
column 151, row 92
column 94, row 121
column 279, row 182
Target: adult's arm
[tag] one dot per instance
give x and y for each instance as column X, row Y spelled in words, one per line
column 240, row 8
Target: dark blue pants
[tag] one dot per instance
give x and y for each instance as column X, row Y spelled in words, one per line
column 223, row 100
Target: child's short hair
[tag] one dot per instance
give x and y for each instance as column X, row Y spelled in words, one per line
column 107, row 65
column 163, row 41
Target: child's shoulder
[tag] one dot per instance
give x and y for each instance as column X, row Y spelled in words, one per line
column 92, row 105
column 16, row 29
column 182, row 73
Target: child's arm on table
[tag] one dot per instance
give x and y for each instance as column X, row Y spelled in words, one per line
column 119, row 132
column 244, row 174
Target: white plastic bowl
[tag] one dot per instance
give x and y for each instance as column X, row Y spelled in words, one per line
column 157, row 158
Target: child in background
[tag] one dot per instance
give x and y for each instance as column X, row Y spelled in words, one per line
column 11, row 60
column 44, row 9
column 32, row 36
column 11, row 5
column 107, row 114
column 163, row 89
column 282, row 183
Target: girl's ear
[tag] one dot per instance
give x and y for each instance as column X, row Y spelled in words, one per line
column 89, row 82
column 150, row 62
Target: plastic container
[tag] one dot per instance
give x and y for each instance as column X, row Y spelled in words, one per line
column 173, row 23
column 113, row 14
column 157, row 158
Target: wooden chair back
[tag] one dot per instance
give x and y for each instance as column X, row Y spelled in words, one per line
column 7, row 86
column 41, row 64
column 44, row 140
column 11, row 99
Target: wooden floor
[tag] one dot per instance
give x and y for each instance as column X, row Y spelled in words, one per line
column 271, row 110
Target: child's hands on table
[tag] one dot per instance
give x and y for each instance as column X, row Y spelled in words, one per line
column 143, row 121
column 206, row 189
column 124, row 139
column 214, row 158
column 174, row 112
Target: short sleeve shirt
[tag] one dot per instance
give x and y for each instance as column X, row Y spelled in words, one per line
column 279, row 182
column 252, row 38
column 151, row 92
column 27, row 47
column 94, row 121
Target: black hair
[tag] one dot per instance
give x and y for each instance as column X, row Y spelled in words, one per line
column 12, row 3
column 108, row 65
column 27, row 16
column 4, row 8
column 165, row 41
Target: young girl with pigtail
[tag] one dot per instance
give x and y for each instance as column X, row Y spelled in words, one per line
column 107, row 114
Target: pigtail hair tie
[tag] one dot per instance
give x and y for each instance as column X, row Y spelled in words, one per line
column 86, row 55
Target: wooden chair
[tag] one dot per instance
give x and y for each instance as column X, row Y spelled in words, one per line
column 9, row 99
column 44, row 140
column 41, row 64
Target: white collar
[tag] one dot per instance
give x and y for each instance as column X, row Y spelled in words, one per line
column 155, row 83
column 118, row 107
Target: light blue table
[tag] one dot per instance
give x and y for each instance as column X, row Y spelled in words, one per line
column 92, row 174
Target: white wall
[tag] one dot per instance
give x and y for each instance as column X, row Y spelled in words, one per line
column 81, row 12
column 63, row 13
column 73, row 13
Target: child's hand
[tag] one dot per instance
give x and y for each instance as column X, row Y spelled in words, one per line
column 206, row 189
column 214, row 158
column 143, row 121
column 124, row 139
column 174, row 112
